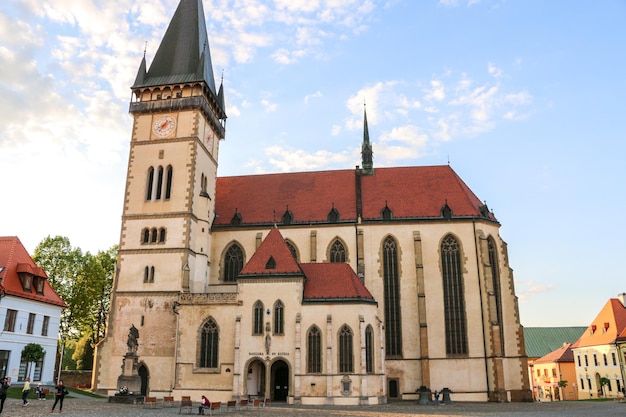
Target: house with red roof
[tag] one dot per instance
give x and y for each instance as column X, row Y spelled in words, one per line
column 349, row 286
column 30, row 312
column 553, row 376
column 599, row 354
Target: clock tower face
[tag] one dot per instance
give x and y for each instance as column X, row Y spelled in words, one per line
column 164, row 125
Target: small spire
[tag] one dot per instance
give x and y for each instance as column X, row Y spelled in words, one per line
column 367, row 155
column 145, row 48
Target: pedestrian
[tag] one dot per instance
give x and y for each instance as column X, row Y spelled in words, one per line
column 58, row 397
column 5, row 383
column 436, row 397
column 25, row 392
column 39, row 390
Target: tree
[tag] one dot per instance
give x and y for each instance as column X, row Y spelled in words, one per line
column 84, row 282
column 603, row 383
column 32, row 352
column 563, row 385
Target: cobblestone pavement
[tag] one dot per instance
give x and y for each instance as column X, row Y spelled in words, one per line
column 100, row 408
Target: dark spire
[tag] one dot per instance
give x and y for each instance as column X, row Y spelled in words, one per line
column 367, row 155
column 220, row 93
column 184, row 55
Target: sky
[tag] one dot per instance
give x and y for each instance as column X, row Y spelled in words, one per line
column 523, row 98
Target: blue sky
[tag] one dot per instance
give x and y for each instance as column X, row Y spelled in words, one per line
column 525, row 100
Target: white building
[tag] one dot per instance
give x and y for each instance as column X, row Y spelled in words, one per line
column 30, row 311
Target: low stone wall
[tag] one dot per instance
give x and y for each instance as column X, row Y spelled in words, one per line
column 77, row 379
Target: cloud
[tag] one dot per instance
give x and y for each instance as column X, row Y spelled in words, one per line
column 317, row 94
column 286, row 159
column 528, row 289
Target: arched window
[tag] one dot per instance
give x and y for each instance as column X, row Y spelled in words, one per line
column 292, row 249
column 369, row 350
column 233, row 262
column 168, row 182
column 497, row 292
column 391, row 282
column 162, row 235
column 145, row 236
column 287, row 217
column 151, row 274
column 453, row 297
column 146, row 274
column 159, row 186
column 337, row 252
column 150, row 183
column 279, row 317
column 153, row 237
column 257, row 318
column 209, row 344
column 333, row 215
column 346, row 361
column 314, row 350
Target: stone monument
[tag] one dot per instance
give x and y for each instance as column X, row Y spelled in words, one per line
column 129, row 382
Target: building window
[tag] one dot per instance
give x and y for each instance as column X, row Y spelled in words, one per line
column 453, row 297
column 314, row 350
column 582, row 383
column 257, row 318
column 209, row 344
column 292, row 249
column 168, row 182
column 39, row 285
column 4, row 362
column 497, row 293
column 145, row 236
column 333, row 215
column 9, row 321
column 337, row 252
column 391, row 282
column 159, row 186
column 554, row 373
column 26, row 280
column 38, row 368
column 345, row 350
column 369, row 350
column 279, row 317
column 44, row 326
column 606, row 361
column 613, row 358
column 586, row 360
column 578, row 357
column 153, row 235
column 595, row 359
column 233, row 262
column 31, row 323
column 148, row 274
column 162, row 235
column 150, row 184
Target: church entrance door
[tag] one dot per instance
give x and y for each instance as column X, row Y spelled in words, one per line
column 280, row 380
column 255, row 381
column 143, row 374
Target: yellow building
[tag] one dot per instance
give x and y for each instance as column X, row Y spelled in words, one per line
column 430, row 300
column 553, row 376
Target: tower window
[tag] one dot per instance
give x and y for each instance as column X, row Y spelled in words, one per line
column 279, row 317
column 233, row 262
column 391, row 282
column 168, row 183
column 453, row 297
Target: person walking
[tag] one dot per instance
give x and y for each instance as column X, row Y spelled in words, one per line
column 60, row 395
column 25, row 392
column 5, row 383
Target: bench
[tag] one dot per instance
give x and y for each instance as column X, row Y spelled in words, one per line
column 267, row 402
column 150, row 402
column 231, row 405
column 256, row 403
column 215, row 406
column 168, row 402
column 243, row 404
column 186, row 403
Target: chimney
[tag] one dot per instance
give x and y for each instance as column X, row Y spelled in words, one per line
column 622, row 298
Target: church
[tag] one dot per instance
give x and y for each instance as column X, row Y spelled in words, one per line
column 346, row 287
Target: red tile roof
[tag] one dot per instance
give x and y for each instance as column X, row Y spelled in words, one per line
column 410, row 192
column 14, row 258
column 562, row 354
column 606, row 327
column 325, row 282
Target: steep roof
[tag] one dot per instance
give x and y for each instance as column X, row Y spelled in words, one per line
column 606, row 327
column 271, row 258
column 183, row 55
column 562, row 354
column 540, row 341
column 324, row 282
column 15, row 259
column 410, row 192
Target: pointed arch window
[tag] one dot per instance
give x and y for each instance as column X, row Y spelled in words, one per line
column 159, row 183
column 233, row 262
column 287, row 217
column 453, row 297
column 279, row 318
column 237, row 218
column 168, row 182
column 145, row 236
column 257, row 318
column 209, row 345
column 333, row 215
column 292, row 249
column 391, row 282
column 496, row 287
column 162, row 235
column 314, row 351
column 150, row 184
column 153, row 235
column 337, row 252
column 386, row 213
column 369, row 350
column 346, row 357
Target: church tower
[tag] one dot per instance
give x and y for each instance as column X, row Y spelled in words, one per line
column 169, row 204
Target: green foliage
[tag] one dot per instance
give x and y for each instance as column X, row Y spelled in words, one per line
column 563, row 383
column 83, row 355
column 32, row 352
column 604, row 381
column 84, row 282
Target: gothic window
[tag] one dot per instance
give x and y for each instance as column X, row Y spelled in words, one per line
column 346, row 361
column 497, row 292
column 279, row 317
column 150, row 184
column 209, row 344
column 153, row 237
column 145, row 236
column 337, row 252
column 168, row 182
column 233, row 262
column 453, row 297
column 146, row 274
column 314, row 351
column 162, row 235
column 159, row 183
column 391, row 282
column 151, row 274
column 292, row 249
column 257, row 318
column 369, row 350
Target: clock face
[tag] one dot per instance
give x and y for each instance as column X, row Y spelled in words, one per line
column 164, row 125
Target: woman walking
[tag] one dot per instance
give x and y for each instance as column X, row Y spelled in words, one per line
column 58, row 398
column 25, row 392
